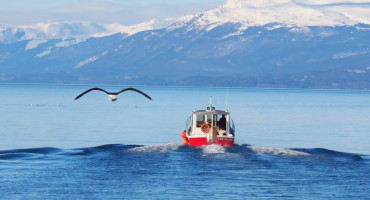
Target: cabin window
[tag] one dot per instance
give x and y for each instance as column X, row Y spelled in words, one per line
column 221, row 122
column 209, row 119
column 200, row 120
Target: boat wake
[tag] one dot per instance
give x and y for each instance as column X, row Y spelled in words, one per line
column 244, row 150
column 162, row 148
column 213, row 149
column 277, row 151
column 322, row 153
column 31, row 153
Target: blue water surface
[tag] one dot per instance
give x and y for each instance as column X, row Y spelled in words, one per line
column 291, row 144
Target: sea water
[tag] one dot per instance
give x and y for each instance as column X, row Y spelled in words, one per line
column 291, row 144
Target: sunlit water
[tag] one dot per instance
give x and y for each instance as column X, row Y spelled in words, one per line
column 292, row 144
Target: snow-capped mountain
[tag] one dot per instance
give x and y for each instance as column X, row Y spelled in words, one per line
column 288, row 13
column 273, row 43
column 75, row 30
column 44, row 31
column 244, row 12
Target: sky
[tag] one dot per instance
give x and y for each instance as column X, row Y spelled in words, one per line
column 125, row 12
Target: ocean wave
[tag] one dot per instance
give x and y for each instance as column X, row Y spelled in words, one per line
column 101, row 149
column 27, row 153
column 313, row 153
column 322, row 153
column 163, row 148
column 42, row 150
column 13, row 156
column 216, row 150
column 276, row 151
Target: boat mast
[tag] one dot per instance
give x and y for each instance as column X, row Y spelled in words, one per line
column 227, row 99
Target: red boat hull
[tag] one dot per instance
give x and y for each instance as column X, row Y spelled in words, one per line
column 201, row 141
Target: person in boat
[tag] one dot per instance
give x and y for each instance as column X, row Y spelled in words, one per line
column 222, row 123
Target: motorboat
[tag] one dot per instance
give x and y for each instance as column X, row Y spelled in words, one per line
column 209, row 126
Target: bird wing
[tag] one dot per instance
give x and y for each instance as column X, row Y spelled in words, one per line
column 136, row 90
column 89, row 90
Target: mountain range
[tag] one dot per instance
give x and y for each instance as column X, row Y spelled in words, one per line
column 242, row 43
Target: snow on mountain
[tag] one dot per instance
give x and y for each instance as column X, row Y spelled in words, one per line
column 357, row 13
column 44, row 31
column 34, row 43
column 284, row 12
column 246, row 13
column 331, row 2
column 67, row 30
column 79, row 31
column 144, row 26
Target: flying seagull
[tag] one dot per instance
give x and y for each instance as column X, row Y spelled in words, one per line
column 112, row 96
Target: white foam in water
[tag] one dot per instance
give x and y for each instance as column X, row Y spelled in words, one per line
column 214, row 148
column 276, row 151
column 163, row 148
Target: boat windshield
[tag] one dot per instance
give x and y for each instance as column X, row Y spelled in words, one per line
column 232, row 127
column 221, row 122
column 200, row 120
column 213, row 120
column 189, row 121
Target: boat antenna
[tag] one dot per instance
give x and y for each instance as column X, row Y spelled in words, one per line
column 227, row 98
column 210, row 102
